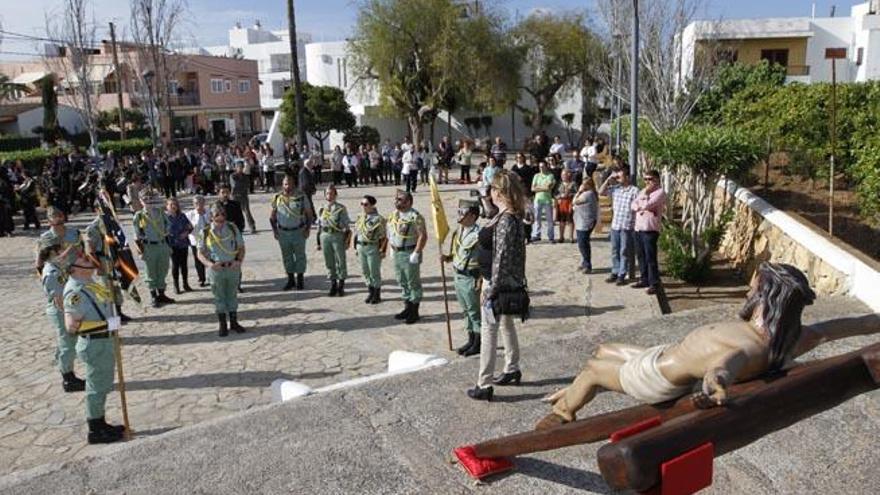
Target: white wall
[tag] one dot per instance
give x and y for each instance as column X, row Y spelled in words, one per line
column 68, row 117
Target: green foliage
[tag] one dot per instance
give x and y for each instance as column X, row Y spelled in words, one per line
column 866, row 173
column 425, row 56
column 750, row 82
column 109, row 119
column 362, row 135
column 705, row 151
column 674, row 242
column 325, row 110
column 34, row 159
column 556, row 50
column 9, row 89
column 17, row 143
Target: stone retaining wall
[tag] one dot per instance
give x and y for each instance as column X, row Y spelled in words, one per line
column 760, row 232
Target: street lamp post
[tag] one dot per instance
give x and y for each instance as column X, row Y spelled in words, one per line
column 634, row 96
column 148, row 81
column 294, row 73
column 833, row 54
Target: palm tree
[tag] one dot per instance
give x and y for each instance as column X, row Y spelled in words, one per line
column 8, row 89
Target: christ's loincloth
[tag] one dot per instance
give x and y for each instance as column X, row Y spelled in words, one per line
column 641, row 379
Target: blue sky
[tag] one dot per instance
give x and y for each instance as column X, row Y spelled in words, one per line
column 332, row 19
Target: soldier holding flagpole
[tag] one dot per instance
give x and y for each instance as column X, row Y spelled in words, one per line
column 467, row 279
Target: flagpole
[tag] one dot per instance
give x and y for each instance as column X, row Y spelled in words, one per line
column 117, row 341
column 445, row 296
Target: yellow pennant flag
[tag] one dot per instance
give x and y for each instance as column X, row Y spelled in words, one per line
column 441, row 226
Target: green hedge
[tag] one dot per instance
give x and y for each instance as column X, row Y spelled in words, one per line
column 17, row 143
column 34, row 159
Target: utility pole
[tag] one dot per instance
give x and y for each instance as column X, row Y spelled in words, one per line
column 118, row 82
column 634, row 96
column 294, row 73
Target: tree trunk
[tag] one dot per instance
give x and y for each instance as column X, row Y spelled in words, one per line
column 415, row 128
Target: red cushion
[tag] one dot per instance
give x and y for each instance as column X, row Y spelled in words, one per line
column 481, row 467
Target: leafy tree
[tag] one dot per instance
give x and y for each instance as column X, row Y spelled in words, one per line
column 748, row 82
column 556, row 50
column 422, row 51
column 325, row 110
column 109, row 119
column 698, row 157
column 362, row 135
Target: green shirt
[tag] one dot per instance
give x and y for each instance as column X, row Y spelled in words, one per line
column 464, row 243
column 370, row 228
column 220, row 245
column 290, row 211
column 544, row 180
column 53, row 280
column 151, row 225
column 78, row 301
column 333, row 218
column 404, row 227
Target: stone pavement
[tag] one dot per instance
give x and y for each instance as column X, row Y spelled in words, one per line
column 179, row 373
column 395, row 436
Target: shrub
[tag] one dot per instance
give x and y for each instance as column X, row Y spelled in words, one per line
column 34, row 158
column 362, row 134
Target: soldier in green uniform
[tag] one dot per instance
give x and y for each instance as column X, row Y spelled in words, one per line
column 221, row 249
column 370, row 242
column 407, row 236
column 333, row 239
column 151, row 233
column 291, row 219
column 95, row 246
column 467, row 272
column 87, row 306
column 68, row 236
column 53, row 261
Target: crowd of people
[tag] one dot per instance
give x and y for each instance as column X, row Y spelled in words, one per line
column 541, row 192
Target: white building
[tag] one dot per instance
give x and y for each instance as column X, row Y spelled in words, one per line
column 271, row 50
column 328, row 64
column 798, row 43
column 20, row 119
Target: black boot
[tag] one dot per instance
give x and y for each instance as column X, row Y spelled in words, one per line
column 154, row 299
column 299, row 281
column 124, row 318
column 71, row 383
column 162, row 298
column 377, row 297
column 468, row 345
column 474, row 349
column 478, row 393
column 98, row 433
column 405, row 313
column 177, row 287
column 233, row 322
column 291, row 282
column 116, row 428
column 224, row 331
column 341, row 287
column 413, row 315
column 369, row 299
column 186, row 287
column 333, row 289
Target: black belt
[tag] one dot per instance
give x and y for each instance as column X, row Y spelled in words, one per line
column 469, row 273
column 328, row 230
column 96, row 333
column 223, row 264
column 153, row 242
column 362, row 243
column 404, row 248
column 291, row 229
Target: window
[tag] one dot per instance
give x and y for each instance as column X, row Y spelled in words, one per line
column 173, row 86
column 279, row 87
column 228, row 85
column 216, row 85
column 244, row 86
column 776, row 56
column 860, row 55
column 247, row 122
column 280, row 62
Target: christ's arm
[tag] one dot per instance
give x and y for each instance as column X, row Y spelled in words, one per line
column 840, row 328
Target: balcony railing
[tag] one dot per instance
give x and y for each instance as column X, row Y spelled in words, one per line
column 185, row 99
column 797, row 70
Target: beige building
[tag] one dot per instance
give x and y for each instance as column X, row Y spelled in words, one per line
column 208, row 96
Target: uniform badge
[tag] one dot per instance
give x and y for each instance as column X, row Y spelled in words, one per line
column 74, row 299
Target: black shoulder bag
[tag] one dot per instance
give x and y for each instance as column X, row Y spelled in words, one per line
column 509, row 301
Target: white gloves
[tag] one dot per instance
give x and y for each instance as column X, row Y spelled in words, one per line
column 415, row 258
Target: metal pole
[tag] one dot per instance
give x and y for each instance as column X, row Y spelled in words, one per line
column 294, row 73
column 634, row 96
column 118, row 82
column 833, row 146
column 618, row 98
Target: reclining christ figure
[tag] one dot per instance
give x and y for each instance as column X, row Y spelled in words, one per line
column 766, row 338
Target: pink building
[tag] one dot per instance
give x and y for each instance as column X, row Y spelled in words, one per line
column 208, row 96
